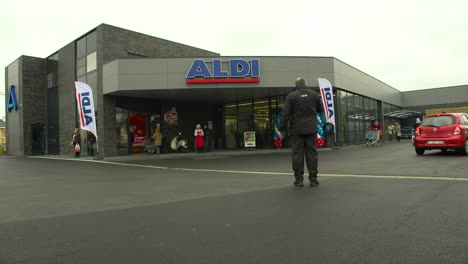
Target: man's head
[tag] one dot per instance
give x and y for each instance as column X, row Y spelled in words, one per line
column 300, row 81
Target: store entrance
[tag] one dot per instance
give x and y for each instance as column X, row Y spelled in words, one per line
column 251, row 116
column 37, row 139
column 138, row 132
column 141, row 128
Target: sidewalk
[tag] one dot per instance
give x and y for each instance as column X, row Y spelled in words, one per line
column 189, row 155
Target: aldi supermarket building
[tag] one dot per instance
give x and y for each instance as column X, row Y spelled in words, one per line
column 140, row 82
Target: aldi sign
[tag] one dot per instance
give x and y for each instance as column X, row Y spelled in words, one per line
column 232, row 71
column 12, row 101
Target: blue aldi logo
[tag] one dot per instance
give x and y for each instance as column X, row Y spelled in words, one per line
column 12, row 101
column 235, row 71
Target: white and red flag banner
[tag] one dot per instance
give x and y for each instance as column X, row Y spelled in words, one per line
column 326, row 90
column 85, row 102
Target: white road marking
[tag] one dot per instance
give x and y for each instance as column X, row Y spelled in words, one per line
column 264, row 172
column 101, row 161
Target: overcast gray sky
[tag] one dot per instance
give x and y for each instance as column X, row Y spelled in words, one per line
column 408, row 44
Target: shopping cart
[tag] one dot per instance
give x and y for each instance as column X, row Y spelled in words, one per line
column 373, row 138
column 149, row 147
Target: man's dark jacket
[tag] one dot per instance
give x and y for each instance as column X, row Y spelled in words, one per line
column 300, row 109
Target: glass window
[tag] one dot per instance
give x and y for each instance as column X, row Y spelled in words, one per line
column 343, row 114
column 50, row 80
column 81, row 48
column 91, row 62
column 122, row 131
column 359, row 119
column 280, row 102
column 262, row 122
column 138, row 129
column 277, row 104
column 350, row 118
column 372, row 112
column 81, row 66
column 438, row 121
column 54, row 57
column 91, row 42
column 82, row 79
column 91, row 80
column 465, row 119
column 245, row 121
column 230, row 117
column 366, row 109
column 373, row 109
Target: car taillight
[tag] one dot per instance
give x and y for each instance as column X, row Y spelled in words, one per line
column 457, row 131
column 416, row 131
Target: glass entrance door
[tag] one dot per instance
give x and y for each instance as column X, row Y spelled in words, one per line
column 244, row 120
column 261, row 113
column 230, row 123
column 138, row 132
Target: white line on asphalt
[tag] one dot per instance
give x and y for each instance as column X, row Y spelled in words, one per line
column 103, row 162
column 233, row 171
column 329, row 175
column 266, row 172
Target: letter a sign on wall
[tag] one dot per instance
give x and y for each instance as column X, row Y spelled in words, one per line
column 84, row 99
column 12, row 101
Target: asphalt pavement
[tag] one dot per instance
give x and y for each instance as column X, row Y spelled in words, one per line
column 374, row 205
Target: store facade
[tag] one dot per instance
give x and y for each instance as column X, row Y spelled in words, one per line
column 141, row 82
column 248, row 103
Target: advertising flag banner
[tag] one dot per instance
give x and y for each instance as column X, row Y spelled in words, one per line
column 326, row 90
column 85, row 102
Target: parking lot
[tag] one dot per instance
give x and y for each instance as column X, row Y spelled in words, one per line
column 381, row 204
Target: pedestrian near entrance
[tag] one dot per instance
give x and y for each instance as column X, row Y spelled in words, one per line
column 397, row 131
column 199, row 140
column 208, row 138
column 300, row 109
column 390, row 132
column 76, row 142
column 157, row 139
column 130, row 140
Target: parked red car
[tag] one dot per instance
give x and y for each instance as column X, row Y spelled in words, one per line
column 442, row 131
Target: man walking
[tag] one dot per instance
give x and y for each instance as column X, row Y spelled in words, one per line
column 300, row 109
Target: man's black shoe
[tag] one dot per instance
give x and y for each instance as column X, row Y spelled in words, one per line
column 298, row 184
column 314, row 183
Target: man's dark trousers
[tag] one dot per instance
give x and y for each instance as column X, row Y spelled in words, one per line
column 301, row 144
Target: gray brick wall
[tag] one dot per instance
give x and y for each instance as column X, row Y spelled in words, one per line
column 67, row 102
column 27, row 74
column 120, row 43
column 34, row 97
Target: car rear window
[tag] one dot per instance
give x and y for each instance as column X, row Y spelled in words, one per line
column 438, row 121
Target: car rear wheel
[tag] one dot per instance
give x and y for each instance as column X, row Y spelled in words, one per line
column 465, row 149
column 419, row 151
